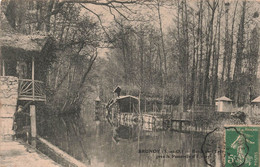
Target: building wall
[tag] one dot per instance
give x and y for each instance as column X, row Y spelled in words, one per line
column 219, row 105
column 8, row 102
column 223, row 106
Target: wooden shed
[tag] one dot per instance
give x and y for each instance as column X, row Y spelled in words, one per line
column 125, row 104
column 256, row 102
column 223, row 104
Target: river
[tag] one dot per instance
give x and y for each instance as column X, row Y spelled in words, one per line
column 135, row 145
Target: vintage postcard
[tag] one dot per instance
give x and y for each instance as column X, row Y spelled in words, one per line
column 129, row 83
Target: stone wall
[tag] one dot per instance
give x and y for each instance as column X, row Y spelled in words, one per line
column 8, row 102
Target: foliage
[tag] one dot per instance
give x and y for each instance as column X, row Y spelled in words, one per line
column 209, row 48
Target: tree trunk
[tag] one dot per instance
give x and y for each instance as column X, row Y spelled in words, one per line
column 239, row 55
column 209, row 51
column 162, row 41
column 231, row 54
column 215, row 75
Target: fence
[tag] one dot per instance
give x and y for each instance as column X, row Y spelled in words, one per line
column 31, row 90
column 251, row 111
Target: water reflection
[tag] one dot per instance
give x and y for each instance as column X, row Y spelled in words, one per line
column 141, row 145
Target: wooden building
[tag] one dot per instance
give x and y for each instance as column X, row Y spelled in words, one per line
column 223, row 104
column 126, row 104
column 25, row 57
column 24, row 60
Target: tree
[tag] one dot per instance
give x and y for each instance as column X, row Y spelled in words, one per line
column 239, row 54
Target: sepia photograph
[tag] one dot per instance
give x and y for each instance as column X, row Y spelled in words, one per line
column 129, row 83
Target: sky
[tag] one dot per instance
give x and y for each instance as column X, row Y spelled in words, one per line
column 167, row 14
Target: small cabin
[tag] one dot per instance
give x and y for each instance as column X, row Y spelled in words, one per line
column 25, row 57
column 256, row 102
column 223, row 104
column 24, row 60
column 126, row 104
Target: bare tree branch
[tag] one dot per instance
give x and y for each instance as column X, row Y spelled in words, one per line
column 110, row 10
column 97, row 2
column 119, row 12
column 129, row 9
column 99, row 19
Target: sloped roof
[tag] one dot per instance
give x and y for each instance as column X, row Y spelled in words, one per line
column 127, row 96
column 256, row 100
column 97, row 99
column 117, row 89
column 11, row 38
column 223, row 98
column 122, row 98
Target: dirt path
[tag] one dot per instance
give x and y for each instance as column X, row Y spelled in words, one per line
column 15, row 154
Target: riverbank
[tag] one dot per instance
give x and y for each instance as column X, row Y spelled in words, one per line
column 18, row 154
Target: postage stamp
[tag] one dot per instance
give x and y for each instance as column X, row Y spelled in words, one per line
column 242, row 146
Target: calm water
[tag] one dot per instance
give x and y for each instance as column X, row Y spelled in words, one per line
column 128, row 145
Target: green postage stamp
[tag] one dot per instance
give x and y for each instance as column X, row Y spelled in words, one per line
column 242, row 146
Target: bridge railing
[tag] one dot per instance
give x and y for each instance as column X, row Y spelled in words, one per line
column 31, row 90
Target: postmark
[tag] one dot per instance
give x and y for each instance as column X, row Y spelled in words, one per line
column 242, row 146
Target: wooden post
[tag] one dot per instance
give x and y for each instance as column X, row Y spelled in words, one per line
column 34, row 143
column 139, row 102
column 33, row 77
column 2, row 63
column 180, row 125
column 162, row 103
column 153, row 109
column 171, row 111
column 33, row 120
column 144, row 104
column 130, row 106
column 3, row 67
